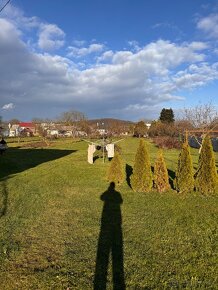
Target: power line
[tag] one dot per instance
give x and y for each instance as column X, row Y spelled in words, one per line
column 5, row 5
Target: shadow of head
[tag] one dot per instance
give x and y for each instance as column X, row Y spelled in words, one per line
column 111, row 195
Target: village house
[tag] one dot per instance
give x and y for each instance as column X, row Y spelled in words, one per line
column 22, row 128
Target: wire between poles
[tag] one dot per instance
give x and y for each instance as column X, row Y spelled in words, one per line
column 5, row 5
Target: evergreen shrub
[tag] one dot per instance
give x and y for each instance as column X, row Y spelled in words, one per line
column 116, row 169
column 141, row 180
column 206, row 175
column 184, row 172
column 161, row 177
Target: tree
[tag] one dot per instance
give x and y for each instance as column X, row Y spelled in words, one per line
column 206, row 175
column 162, row 129
column 41, row 131
column 161, row 178
column 167, row 116
column 140, row 129
column 42, row 120
column 14, row 121
column 141, row 179
column 72, row 117
column 76, row 119
column 184, row 174
column 201, row 116
column 181, row 125
column 116, row 170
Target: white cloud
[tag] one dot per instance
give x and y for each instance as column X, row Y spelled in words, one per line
column 79, row 42
column 126, row 80
column 17, row 17
column 134, row 44
column 83, row 51
column 209, row 25
column 9, row 106
column 198, row 45
column 196, row 76
column 106, row 56
column 50, row 37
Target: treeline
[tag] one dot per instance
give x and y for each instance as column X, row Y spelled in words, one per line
column 144, row 179
column 168, row 132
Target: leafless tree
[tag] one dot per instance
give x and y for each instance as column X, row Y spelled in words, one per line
column 201, row 116
column 76, row 119
column 71, row 117
column 204, row 118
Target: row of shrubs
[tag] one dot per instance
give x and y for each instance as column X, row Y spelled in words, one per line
column 167, row 142
column 204, row 180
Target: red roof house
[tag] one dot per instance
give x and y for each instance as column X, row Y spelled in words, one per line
column 27, row 127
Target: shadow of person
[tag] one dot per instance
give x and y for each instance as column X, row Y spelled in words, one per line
column 110, row 241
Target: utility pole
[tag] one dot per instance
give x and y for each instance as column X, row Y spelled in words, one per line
column 103, row 141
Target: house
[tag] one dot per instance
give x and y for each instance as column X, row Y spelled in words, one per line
column 53, row 132
column 27, row 128
column 81, row 134
column 148, row 125
column 13, row 130
column 101, row 131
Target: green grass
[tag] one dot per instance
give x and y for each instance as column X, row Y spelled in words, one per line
column 50, row 221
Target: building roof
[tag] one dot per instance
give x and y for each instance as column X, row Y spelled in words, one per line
column 27, row 125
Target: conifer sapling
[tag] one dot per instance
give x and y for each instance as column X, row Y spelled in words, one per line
column 116, row 170
column 161, row 178
column 141, row 180
column 184, row 173
column 206, row 175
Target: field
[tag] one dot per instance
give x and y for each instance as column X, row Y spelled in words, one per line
column 56, row 233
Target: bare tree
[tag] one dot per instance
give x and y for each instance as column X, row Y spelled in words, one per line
column 76, row 119
column 201, row 116
column 204, row 119
column 40, row 129
column 71, row 117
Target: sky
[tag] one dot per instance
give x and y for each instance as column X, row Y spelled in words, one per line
column 120, row 58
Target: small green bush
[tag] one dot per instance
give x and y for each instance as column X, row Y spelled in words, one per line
column 141, row 180
column 116, row 170
column 161, row 178
column 184, row 172
column 206, row 175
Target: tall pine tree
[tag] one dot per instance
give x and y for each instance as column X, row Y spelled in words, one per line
column 167, row 116
column 141, row 179
column 161, row 178
column 184, row 173
column 206, row 176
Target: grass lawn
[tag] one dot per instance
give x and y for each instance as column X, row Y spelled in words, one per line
column 59, row 222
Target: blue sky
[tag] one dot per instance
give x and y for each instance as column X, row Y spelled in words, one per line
column 122, row 59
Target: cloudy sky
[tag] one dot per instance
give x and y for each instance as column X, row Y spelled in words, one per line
column 119, row 58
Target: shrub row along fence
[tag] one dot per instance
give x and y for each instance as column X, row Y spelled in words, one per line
column 204, row 180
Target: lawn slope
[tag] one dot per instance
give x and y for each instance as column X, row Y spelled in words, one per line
column 54, row 218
